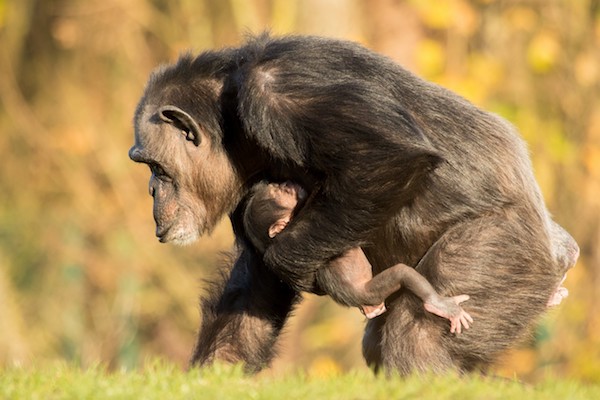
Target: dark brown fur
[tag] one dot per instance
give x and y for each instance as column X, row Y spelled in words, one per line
column 403, row 168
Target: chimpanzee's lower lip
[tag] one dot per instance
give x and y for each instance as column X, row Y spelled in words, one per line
column 162, row 234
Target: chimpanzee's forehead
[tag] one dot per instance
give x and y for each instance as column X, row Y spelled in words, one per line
column 143, row 113
column 146, row 122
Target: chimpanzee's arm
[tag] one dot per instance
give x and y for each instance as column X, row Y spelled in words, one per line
column 244, row 315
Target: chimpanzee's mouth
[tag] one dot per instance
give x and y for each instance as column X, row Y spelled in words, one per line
column 161, row 234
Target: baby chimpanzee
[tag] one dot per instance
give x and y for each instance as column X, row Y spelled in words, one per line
column 347, row 279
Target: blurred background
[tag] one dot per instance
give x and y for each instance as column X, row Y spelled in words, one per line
column 82, row 276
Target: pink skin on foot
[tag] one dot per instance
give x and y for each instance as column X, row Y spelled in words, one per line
column 449, row 308
column 373, row 311
column 559, row 294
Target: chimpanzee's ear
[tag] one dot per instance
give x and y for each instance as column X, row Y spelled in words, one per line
column 181, row 120
column 278, row 226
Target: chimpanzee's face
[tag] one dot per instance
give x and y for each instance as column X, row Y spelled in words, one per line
column 192, row 181
column 287, row 194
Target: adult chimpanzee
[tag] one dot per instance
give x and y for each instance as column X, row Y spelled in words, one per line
column 403, row 168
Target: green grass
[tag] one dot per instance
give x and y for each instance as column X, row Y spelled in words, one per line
column 165, row 382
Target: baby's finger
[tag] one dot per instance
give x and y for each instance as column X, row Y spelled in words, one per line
column 468, row 317
column 464, row 322
column 458, row 327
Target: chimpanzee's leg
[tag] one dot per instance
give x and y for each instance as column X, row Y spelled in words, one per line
column 243, row 315
column 506, row 267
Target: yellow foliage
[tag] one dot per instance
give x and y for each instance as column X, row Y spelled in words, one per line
column 246, row 15
column 430, row 57
column 545, row 175
column 516, row 362
column 284, row 14
column 328, row 333
column 521, row 18
column 466, row 20
column 468, row 87
column 587, row 362
column 444, row 14
column 591, row 158
column 587, row 68
column 435, row 13
column 483, row 76
column 2, row 12
column 593, row 129
column 324, row 367
column 543, row 52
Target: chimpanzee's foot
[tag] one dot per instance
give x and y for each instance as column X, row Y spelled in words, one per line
column 373, row 311
column 558, row 296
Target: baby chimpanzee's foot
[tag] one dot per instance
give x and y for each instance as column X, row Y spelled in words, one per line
column 373, row 311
